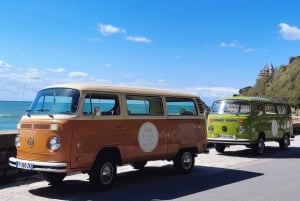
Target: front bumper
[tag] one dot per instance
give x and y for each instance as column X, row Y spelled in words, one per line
column 37, row 165
column 229, row 141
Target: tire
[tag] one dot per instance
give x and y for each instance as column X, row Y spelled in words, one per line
column 53, row 178
column 184, row 162
column 284, row 142
column 260, row 145
column 139, row 165
column 103, row 174
column 220, row 148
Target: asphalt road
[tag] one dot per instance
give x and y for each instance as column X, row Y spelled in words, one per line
column 238, row 174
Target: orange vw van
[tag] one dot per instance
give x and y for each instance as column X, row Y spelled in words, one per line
column 93, row 129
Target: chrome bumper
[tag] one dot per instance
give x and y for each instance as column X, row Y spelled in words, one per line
column 37, row 165
column 229, row 141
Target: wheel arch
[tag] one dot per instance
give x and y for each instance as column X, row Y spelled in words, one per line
column 262, row 134
column 193, row 150
column 112, row 152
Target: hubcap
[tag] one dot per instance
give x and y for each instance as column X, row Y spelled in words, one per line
column 260, row 145
column 187, row 160
column 286, row 141
column 106, row 173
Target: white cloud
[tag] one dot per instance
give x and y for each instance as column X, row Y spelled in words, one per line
column 226, row 45
column 107, row 65
column 33, row 74
column 78, row 75
column 56, row 70
column 109, row 29
column 248, row 50
column 289, row 32
column 30, row 76
column 4, row 65
column 94, row 39
column 128, row 75
column 139, row 39
column 214, row 92
column 235, row 44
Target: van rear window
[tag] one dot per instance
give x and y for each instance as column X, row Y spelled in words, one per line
column 181, row 106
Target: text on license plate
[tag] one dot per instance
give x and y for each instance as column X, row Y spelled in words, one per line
column 27, row 166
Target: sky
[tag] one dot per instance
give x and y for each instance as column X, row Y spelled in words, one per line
column 211, row 48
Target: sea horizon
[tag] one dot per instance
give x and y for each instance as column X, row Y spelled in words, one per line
column 11, row 112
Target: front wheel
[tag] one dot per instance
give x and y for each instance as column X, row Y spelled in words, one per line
column 184, row 162
column 260, row 145
column 284, row 142
column 220, row 148
column 103, row 174
column 53, row 178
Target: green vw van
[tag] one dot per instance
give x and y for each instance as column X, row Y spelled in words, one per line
column 250, row 121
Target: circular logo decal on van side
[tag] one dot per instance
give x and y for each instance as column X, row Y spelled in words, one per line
column 274, row 128
column 148, row 137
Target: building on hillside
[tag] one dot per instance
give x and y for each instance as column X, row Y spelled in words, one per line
column 267, row 70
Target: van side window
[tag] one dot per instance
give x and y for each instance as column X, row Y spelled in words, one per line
column 270, row 108
column 283, row 108
column 101, row 104
column 144, row 105
column 257, row 109
column 181, row 106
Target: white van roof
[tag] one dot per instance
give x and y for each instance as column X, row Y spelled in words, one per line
column 123, row 89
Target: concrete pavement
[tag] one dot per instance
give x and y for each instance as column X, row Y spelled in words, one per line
column 75, row 186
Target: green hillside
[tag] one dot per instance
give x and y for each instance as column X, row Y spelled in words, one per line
column 282, row 82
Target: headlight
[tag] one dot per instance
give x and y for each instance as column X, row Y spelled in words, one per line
column 18, row 141
column 54, row 143
column 241, row 129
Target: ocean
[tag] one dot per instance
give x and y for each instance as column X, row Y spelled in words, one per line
column 11, row 112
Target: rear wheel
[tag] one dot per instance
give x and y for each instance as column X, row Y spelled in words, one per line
column 184, row 162
column 284, row 142
column 260, row 145
column 53, row 178
column 220, row 147
column 103, row 174
column 139, row 165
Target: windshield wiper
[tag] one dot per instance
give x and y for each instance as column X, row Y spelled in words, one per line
column 28, row 113
column 51, row 115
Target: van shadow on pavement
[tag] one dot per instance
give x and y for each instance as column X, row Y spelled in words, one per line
column 269, row 152
column 10, row 180
column 152, row 183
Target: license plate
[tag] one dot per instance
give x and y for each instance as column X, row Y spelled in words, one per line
column 27, row 166
column 225, row 136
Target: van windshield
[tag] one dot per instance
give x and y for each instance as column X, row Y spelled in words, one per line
column 230, row 107
column 55, row 101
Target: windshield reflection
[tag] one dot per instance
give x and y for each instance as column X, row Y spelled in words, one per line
column 55, row 101
column 231, row 107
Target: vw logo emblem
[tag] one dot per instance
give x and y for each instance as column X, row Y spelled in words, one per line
column 224, row 128
column 30, row 141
